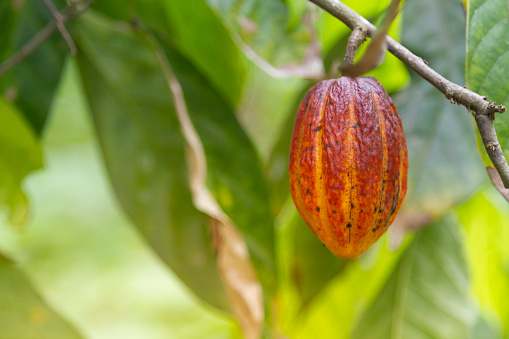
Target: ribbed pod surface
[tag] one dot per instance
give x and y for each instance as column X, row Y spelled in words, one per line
column 348, row 163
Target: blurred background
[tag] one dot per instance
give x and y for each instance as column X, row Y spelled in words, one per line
column 101, row 236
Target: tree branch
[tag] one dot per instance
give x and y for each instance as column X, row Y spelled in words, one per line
column 60, row 25
column 484, row 110
column 70, row 12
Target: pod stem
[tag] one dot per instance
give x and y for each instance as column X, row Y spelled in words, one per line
column 484, row 110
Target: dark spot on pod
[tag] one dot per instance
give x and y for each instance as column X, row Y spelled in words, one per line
column 336, row 143
column 318, row 128
column 310, row 125
column 349, row 225
column 369, row 149
column 320, row 120
column 351, row 205
column 326, row 146
column 299, row 181
column 329, row 103
column 305, row 106
column 318, row 209
column 334, row 212
column 311, row 149
column 359, row 104
column 307, row 192
column 305, row 149
column 356, row 125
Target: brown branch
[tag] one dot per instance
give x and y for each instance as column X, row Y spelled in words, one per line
column 70, row 12
column 60, row 25
column 484, row 109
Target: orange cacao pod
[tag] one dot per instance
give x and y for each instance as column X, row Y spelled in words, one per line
column 348, row 163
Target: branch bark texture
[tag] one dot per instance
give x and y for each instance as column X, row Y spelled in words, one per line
column 484, row 109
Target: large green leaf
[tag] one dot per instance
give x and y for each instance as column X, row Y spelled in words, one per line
column 20, row 153
column 488, row 60
column 234, row 174
column 130, row 89
column 308, row 264
column 443, row 164
column 265, row 27
column 427, row 295
column 338, row 306
column 23, row 314
column 31, row 84
column 196, row 32
column 144, row 150
column 486, row 221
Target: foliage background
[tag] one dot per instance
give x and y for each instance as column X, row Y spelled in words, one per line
column 111, row 244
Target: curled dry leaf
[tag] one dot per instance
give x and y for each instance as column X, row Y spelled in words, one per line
column 497, row 182
column 242, row 286
column 234, row 264
column 375, row 52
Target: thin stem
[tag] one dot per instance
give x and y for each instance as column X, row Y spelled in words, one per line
column 60, row 25
column 483, row 108
column 70, row 12
column 357, row 37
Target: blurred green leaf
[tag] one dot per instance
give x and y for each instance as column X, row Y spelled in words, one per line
column 440, row 136
column 23, row 314
column 234, row 170
column 486, row 221
column 265, row 106
column 309, row 265
column 155, row 192
column 144, row 150
column 336, row 309
column 265, row 28
column 488, row 60
column 20, row 153
column 196, row 32
column 427, row 295
column 8, row 18
column 31, row 83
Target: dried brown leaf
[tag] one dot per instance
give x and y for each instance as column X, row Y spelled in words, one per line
column 497, row 182
column 237, row 272
column 244, row 290
column 375, row 52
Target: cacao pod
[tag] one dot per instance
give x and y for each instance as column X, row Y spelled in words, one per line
column 348, row 163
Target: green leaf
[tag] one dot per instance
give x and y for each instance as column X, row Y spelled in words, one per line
column 440, row 136
column 234, row 174
column 196, row 32
column 265, row 27
column 309, row 264
column 488, row 60
column 20, row 153
column 427, row 295
column 132, row 90
column 486, row 221
column 339, row 305
column 23, row 314
column 31, row 84
column 144, row 150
